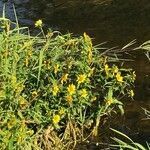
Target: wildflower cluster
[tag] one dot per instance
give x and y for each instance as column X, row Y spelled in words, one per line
column 53, row 84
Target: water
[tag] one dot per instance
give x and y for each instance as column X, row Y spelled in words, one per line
column 118, row 22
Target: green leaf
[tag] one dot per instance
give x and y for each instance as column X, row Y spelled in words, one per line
column 20, row 114
column 110, row 93
column 121, row 109
column 10, row 145
column 140, row 146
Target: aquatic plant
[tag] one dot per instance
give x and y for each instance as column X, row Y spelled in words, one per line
column 54, row 87
column 147, row 113
column 127, row 143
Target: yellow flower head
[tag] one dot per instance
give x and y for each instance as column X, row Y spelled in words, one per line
column 91, row 72
column 47, row 64
column 64, row 78
column 81, row 78
column 55, row 90
column 87, row 39
column 61, row 111
column 107, row 69
column 30, row 53
column 69, row 99
column 109, row 101
column 93, row 99
column 38, row 23
column 119, row 77
column 83, row 93
column 131, row 93
column 134, row 75
column 69, row 64
column 115, row 69
column 56, row 119
column 56, row 68
column 11, row 123
column 34, row 94
column 71, row 89
column 22, row 102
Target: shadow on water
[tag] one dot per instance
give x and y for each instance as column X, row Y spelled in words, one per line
column 116, row 21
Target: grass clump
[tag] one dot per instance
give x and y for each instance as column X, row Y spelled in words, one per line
column 53, row 88
column 127, row 143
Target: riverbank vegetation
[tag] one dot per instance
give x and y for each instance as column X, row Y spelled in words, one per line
column 54, row 87
column 128, row 143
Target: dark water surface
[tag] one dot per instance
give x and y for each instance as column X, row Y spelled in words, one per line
column 118, row 22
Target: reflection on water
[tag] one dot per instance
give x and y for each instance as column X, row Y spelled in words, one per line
column 117, row 22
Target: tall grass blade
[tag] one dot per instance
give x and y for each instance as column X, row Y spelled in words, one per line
column 16, row 18
column 129, row 44
column 122, row 134
column 140, row 146
column 122, row 144
column 40, row 65
column 4, row 7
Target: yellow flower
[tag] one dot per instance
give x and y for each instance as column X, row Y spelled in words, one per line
column 81, row 78
column 69, row 99
column 34, row 94
column 107, row 69
column 49, row 34
column 131, row 93
column 56, row 68
column 70, row 64
column 71, row 89
column 91, row 72
column 38, row 23
column 93, row 99
column 11, row 123
column 56, row 119
column 83, row 93
column 64, row 78
column 22, row 102
column 47, row 64
column 19, row 140
column 115, row 69
column 55, row 90
column 119, row 77
column 109, row 101
column 19, row 88
column 134, row 75
column 61, row 111
column 87, row 39
column 30, row 53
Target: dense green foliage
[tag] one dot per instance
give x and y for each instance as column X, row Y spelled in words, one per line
column 54, row 87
